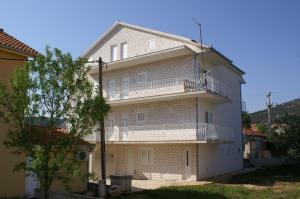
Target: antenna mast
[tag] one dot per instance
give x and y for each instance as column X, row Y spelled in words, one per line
column 201, row 47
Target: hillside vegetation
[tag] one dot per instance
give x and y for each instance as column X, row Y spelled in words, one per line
column 290, row 107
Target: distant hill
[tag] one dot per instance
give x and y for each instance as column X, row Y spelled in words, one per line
column 290, row 107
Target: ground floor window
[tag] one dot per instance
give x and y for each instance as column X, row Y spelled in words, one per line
column 147, row 156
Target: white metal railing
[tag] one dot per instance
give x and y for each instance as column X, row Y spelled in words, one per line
column 167, row 132
column 168, row 86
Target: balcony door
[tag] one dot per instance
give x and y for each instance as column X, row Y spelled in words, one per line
column 187, row 168
column 112, row 87
column 110, row 127
column 125, row 126
column 125, row 87
column 31, row 181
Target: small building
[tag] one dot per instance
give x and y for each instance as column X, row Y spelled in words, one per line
column 254, row 144
column 13, row 54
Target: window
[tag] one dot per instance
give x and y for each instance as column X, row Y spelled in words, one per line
column 151, row 44
column 142, row 77
column 147, row 156
column 113, row 52
column 140, row 116
column 208, row 117
column 124, row 50
column 111, row 90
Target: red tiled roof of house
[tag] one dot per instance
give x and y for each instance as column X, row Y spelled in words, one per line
column 252, row 132
column 10, row 42
column 41, row 135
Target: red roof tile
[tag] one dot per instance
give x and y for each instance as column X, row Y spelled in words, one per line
column 251, row 132
column 8, row 41
column 41, row 135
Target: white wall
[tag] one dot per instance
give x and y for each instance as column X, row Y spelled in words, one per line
column 215, row 159
column 136, row 40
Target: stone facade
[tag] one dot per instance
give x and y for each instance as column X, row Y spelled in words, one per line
column 172, row 159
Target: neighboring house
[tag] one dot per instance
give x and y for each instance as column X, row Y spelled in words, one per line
column 12, row 54
column 169, row 120
column 11, row 183
column 255, row 144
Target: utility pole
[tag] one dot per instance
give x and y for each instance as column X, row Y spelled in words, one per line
column 102, row 186
column 269, row 106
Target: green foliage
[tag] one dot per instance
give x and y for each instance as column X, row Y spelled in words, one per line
column 285, row 139
column 246, row 120
column 261, row 127
column 291, row 107
column 52, row 86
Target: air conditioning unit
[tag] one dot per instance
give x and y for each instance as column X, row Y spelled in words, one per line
column 82, row 156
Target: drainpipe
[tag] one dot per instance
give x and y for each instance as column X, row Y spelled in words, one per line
column 197, row 127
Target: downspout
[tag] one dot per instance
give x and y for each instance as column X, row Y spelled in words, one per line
column 197, row 127
column 241, row 147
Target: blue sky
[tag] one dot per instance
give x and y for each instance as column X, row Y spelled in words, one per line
column 261, row 37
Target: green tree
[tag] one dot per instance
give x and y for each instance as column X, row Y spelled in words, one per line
column 261, row 127
column 286, row 140
column 56, row 87
column 246, row 120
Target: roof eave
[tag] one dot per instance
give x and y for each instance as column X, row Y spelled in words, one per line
column 119, row 23
column 228, row 60
column 17, row 51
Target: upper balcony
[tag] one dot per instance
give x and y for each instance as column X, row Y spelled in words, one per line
column 165, row 133
column 202, row 86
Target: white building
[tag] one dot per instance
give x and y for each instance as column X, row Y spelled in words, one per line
column 168, row 119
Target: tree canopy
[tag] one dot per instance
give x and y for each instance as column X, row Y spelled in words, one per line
column 246, row 120
column 285, row 137
column 52, row 86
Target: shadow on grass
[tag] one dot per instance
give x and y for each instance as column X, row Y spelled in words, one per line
column 268, row 176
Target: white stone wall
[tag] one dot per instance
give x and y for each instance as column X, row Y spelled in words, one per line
column 137, row 43
column 168, row 161
column 176, row 67
column 213, row 159
column 228, row 155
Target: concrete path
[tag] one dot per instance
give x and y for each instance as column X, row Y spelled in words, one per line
column 155, row 184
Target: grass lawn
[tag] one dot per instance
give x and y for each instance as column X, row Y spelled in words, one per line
column 276, row 182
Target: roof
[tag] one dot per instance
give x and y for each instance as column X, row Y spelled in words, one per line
column 228, row 60
column 44, row 122
column 168, row 35
column 120, row 23
column 252, row 132
column 11, row 43
column 41, row 135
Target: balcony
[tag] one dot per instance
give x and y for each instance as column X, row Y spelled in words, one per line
column 166, row 133
column 202, row 86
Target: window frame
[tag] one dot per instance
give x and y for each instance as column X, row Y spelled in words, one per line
column 122, row 48
column 137, row 116
column 149, row 156
column 111, row 52
column 138, row 78
column 148, row 44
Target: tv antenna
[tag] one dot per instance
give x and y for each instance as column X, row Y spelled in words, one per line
column 200, row 38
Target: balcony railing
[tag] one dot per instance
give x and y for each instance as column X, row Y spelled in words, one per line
column 168, row 86
column 166, row 132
